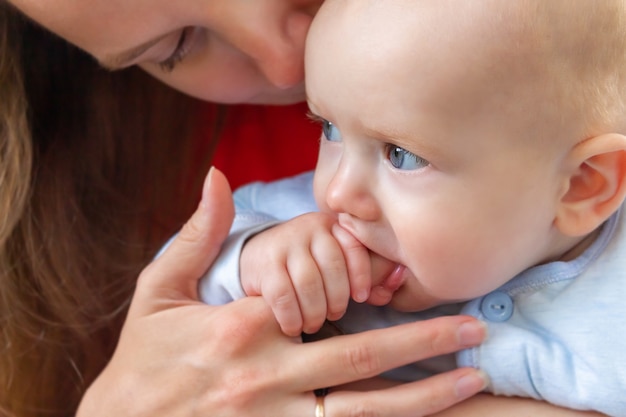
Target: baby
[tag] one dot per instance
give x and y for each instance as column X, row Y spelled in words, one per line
column 473, row 157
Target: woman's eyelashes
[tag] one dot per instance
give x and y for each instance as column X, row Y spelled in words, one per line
column 183, row 46
column 402, row 159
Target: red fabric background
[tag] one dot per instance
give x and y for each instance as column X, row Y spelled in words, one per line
column 266, row 143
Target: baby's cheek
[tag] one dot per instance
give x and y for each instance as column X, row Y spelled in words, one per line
column 321, row 180
column 443, row 265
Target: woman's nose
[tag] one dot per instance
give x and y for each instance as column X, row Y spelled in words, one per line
column 276, row 44
column 350, row 191
column 283, row 62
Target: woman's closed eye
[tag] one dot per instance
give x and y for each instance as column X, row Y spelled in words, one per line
column 183, row 46
column 402, row 159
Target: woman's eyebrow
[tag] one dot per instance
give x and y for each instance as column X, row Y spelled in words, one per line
column 126, row 58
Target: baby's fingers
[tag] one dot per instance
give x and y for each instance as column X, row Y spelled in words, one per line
column 280, row 294
column 307, row 280
column 357, row 262
column 334, row 274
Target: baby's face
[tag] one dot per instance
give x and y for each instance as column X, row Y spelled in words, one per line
column 431, row 157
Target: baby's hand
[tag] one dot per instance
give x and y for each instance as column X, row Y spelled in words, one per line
column 305, row 269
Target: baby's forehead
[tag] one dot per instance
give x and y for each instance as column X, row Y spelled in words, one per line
column 556, row 52
column 515, row 24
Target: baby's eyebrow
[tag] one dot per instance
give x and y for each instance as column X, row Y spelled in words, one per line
column 411, row 141
column 390, row 134
column 124, row 59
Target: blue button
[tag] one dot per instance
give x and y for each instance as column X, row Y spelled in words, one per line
column 497, row 306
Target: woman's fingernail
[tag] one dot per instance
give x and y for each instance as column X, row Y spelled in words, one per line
column 472, row 333
column 471, row 384
column 207, row 186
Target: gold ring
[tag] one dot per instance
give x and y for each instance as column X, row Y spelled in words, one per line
column 319, row 406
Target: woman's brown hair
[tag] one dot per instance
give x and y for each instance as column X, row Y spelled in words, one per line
column 97, row 169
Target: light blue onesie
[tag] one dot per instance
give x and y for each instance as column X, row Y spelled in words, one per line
column 557, row 332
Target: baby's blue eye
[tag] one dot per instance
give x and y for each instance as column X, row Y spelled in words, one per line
column 330, row 131
column 400, row 158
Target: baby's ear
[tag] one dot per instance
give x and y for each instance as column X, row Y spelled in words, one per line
column 597, row 186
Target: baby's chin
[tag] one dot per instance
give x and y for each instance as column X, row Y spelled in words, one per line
column 412, row 297
column 396, row 286
column 412, row 303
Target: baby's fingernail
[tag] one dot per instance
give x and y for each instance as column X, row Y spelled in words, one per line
column 472, row 333
column 471, row 384
column 361, row 296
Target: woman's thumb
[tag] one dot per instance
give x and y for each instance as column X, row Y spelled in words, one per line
column 174, row 275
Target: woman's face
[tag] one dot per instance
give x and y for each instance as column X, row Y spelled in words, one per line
column 229, row 51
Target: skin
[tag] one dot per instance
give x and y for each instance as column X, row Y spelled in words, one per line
column 200, row 371
column 477, row 167
column 211, row 358
column 487, row 175
column 473, row 173
column 235, row 51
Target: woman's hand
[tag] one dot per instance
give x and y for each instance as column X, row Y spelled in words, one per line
column 178, row 357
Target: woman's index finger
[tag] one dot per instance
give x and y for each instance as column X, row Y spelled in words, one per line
column 350, row 358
